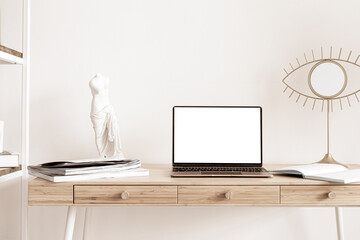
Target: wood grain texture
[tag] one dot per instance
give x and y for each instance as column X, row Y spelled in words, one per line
column 228, row 195
column 159, row 188
column 42, row 193
column 5, row 171
column 116, row 194
column 11, row 51
column 321, row 195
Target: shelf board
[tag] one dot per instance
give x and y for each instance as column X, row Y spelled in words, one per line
column 5, row 171
column 9, row 173
column 10, row 56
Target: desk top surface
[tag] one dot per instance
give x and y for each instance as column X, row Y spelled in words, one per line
column 160, row 175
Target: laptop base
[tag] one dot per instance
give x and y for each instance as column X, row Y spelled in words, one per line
column 222, row 174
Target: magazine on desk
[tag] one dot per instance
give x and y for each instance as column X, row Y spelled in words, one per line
column 323, row 172
column 84, row 167
column 65, row 171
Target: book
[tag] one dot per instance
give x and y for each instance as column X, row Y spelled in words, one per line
column 136, row 172
column 323, row 172
column 85, row 167
column 8, row 159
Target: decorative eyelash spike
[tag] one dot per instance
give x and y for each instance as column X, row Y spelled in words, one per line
column 348, row 101
column 306, row 58
column 298, row 98
column 305, row 102
column 298, row 61
column 291, row 94
column 312, row 52
column 340, row 53
column 286, row 71
column 340, row 104
column 357, row 59
column 291, row 67
column 349, row 56
column 313, row 106
column 330, row 51
column 285, row 89
column 356, row 97
column 322, row 56
column 322, row 106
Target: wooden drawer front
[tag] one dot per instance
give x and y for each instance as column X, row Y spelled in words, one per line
column 247, row 195
column 320, row 195
column 43, row 193
column 125, row 194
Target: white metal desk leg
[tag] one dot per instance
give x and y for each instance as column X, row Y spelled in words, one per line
column 70, row 223
column 86, row 221
column 339, row 223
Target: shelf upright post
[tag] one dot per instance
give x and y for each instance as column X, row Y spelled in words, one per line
column 25, row 103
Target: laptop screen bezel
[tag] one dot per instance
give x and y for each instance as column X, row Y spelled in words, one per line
column 216, row 164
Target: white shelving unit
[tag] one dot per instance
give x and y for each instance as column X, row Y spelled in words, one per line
column 9, row 56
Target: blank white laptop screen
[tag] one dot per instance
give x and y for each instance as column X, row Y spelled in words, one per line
column 217, row 135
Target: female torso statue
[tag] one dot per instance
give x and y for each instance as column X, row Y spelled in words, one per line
column 103, row 118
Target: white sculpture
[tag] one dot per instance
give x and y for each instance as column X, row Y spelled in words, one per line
column 103, row 118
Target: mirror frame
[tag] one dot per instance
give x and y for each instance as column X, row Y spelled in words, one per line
column 336, row 94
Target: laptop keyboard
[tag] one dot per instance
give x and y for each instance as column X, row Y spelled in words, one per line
column 219, row 169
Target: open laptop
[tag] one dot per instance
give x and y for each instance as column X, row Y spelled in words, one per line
column 217, row 141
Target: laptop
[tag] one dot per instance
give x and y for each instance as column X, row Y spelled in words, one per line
column 217, row 141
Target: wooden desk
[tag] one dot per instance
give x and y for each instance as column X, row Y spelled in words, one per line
column 160, row 189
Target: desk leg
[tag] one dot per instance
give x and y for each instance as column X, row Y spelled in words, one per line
column 86, row 221
column 70, row 223
column 339, row 223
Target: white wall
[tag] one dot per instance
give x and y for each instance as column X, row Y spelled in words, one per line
column 161, row 53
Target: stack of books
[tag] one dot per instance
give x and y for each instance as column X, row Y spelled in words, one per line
column 8, row 159
column 66, row 171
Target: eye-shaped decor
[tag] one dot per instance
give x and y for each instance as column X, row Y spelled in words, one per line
column 328, row 82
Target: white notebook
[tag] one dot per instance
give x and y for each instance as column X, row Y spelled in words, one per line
column 324, row 172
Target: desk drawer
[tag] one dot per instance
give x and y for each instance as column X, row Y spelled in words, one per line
column 320, row 195
column 228, row 195
column 125, row 194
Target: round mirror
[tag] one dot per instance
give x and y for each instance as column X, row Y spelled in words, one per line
column 327, row 79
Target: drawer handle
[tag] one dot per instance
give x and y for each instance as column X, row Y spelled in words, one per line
column 125, row 195
column 228, row 195
column 331, row 195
